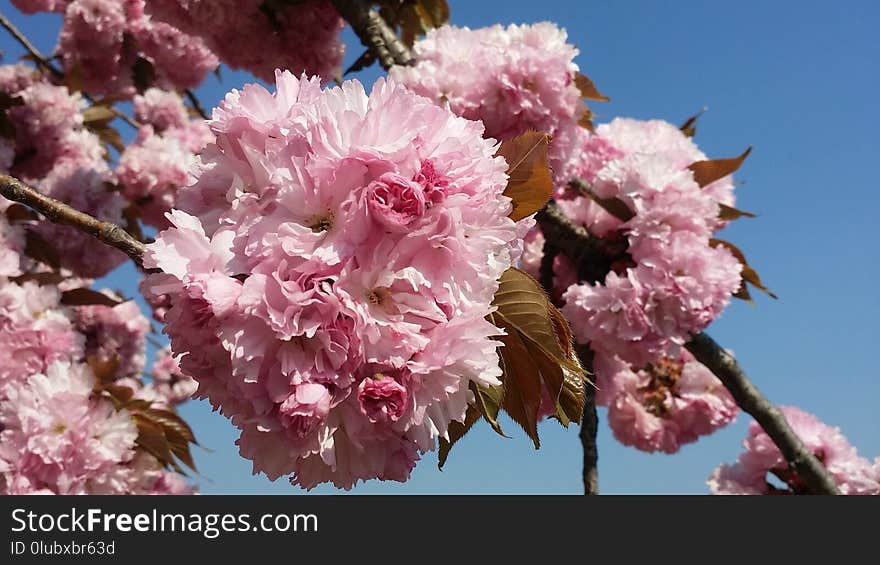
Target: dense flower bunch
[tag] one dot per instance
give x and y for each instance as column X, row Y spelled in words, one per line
column 664, row 405
column 513, row 79
column 155, row 165
column 330, row 279
column 259, row 36
column 669, row 284
column 55, row 152
column 672, row 282
column 169, row 382
column 103, row 42
column 58, row 435
column 762, row 459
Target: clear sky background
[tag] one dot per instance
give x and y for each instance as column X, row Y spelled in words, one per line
column 796, row 79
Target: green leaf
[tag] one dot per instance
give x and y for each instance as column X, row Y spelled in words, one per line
column 107, row 134
column 456, row 431
column 366, row 59
column 689, row 127
column 749, row 275
column 588, row 88
column 537, row 352
column 98, row 113
column 707, row 172
column 488, row 402
column 530, row 185
column 39, row 249
column 105, row 370
column 434, row 13
column 727, row 213
column 87, row 297
column 163, row 434
column 614, row 206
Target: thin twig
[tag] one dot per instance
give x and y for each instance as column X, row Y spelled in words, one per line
column 800, row 459
column 46, row 63
column 60, row 213
column 197, row 106
column 374, row 33
column 38, row 57
column 589, row 426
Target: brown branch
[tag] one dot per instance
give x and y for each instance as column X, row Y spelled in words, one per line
column 589, row 417
column 592, row 256
column 589, row 426
column 61, row 213
column 545, row 273
column 374, row 33
column 800, row 459
column 38, row 57
column 46, row 63
column 197, row 106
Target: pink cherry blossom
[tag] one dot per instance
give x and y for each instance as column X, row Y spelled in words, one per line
column 114, row 334
column 169, row 382
column 512, row 79
column 329, row 280
column 259, row 37
column 382, row 398
column 668, row 403
column 755, row 468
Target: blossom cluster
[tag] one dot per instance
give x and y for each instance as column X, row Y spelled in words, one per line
column 761, row 468
column 258, row 36
column 330, row 273
column 513, row 79
column 58, row 434
column 675, row 282
column 664, row 405
column 105, row 43
column 53, row 151
column 155, row 165
column 670, row 283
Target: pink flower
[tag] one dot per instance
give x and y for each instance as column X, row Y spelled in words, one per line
column 55, row 435
column 304, row 410
column 160, row 109
column 761, row 460
column 328, row 233
column 512, row 79
column 105, row 42
column 382, row 398
column 668, row 403
column 169, row 381
column 395, row 202
column 115, row 333
column 259, row 37
column 670, row 281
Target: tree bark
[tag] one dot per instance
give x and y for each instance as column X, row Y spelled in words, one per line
column 749, row 398
column 60, row 213
column 374, row 33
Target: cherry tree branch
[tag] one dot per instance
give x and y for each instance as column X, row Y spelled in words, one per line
column 197, row 106
column 591, row 258
column 749, row 398
column 589, row 426
column 46, row 63
column 589, row 417
column 591, row 255
column 38, row 57
column 374, row 33
column 60, row 213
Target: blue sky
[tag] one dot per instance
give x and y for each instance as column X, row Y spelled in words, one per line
column 795, row 79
